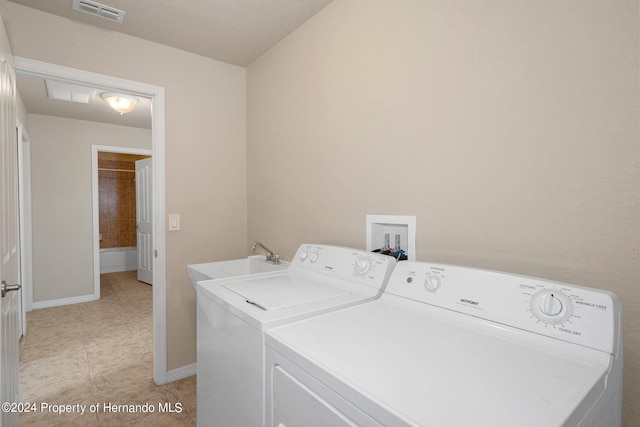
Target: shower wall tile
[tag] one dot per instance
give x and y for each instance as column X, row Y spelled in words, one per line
column 117, row 200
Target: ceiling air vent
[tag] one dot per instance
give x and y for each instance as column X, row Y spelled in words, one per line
column 99, row 9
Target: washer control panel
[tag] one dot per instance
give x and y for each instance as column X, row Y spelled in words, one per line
column 572, row 313
column 346, row 263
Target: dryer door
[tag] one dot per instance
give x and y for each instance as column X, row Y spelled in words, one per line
column 295, row 404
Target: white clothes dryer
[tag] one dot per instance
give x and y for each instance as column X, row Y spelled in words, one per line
column 234, row 313
column 456, row 347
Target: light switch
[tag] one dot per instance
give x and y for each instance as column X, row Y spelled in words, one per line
column 174, row 222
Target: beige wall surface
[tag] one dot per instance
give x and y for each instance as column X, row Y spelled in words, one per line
column 62, row 200
column 509, row 129
column 205, row 135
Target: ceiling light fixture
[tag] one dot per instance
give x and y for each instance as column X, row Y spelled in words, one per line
column 120, row 102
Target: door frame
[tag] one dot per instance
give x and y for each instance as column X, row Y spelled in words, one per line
column 24, row 203
column 41, row 69
column 95, row 149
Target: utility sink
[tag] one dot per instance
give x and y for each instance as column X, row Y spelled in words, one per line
column 235, row 267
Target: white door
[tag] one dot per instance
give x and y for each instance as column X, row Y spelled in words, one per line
column 9, row 245
column 144, row 219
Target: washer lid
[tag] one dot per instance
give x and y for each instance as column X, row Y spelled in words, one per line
column 283, row 291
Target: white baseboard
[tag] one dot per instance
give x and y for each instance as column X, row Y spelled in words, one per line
column 118, row 268
column 180, row 373
column 63, row 301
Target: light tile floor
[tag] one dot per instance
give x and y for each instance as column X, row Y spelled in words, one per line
column 100, row 353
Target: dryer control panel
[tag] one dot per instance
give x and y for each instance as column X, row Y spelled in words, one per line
column 581, row 315
column 350, row 264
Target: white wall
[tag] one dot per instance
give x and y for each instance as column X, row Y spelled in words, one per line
column 62, row 200
column 205, row 143
column 509, row 129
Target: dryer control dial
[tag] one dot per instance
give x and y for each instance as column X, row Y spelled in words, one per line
column 313, row 256
column 362, row 266
column 551, row 306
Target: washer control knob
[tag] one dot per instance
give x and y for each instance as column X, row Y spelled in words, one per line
column 431, row 283
column 304, row 254
column 550, row 305
column 313, row 257
column 362, row 266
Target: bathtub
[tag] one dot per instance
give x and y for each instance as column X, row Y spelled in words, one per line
column 118, row 259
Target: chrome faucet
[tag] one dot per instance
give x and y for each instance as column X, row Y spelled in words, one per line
column 271, row 256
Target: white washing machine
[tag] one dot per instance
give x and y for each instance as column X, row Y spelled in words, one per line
column 456, row 347
column 234, row 313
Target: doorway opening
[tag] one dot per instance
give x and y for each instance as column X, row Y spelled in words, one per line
column 124, row 212
column 31, row 67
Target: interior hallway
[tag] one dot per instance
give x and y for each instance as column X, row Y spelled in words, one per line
column 97, row 353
